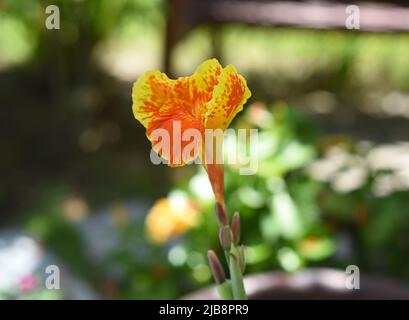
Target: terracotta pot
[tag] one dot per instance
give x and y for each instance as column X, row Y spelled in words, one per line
column 311, row 284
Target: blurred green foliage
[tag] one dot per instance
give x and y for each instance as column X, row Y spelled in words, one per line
column 290, row 219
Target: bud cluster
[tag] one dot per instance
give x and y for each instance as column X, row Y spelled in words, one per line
column 229, row 237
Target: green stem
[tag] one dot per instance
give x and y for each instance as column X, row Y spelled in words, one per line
column 236, row 277
column 225, row 291
column 227, row 256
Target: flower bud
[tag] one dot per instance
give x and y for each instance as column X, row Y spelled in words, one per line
column 221, row 215
column 235, row 228
column 216, row 267
column 225, row 237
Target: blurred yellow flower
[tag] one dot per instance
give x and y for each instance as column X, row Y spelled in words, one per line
column 169, row 218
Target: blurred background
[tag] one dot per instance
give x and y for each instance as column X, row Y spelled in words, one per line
column 77, row 187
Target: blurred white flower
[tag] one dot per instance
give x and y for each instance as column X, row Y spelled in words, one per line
column 18, row 258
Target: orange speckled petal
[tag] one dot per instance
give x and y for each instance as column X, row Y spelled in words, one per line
column 229, row 96
column 155, row 92
column 203, row 82
column 161, row 103
column 150, row 93
column 173, row 124
column 194, row 92
column 207, row 75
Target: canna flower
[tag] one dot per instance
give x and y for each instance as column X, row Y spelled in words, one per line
column 209, row 99
column 178, row 115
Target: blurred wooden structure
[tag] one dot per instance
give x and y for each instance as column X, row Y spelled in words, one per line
column 375, row 15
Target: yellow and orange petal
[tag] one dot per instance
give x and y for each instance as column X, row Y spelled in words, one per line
column 150, row 93
column 229, row 96
column 169, row 218
column 154, row 93
column 165, row 124
column 210, row 98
